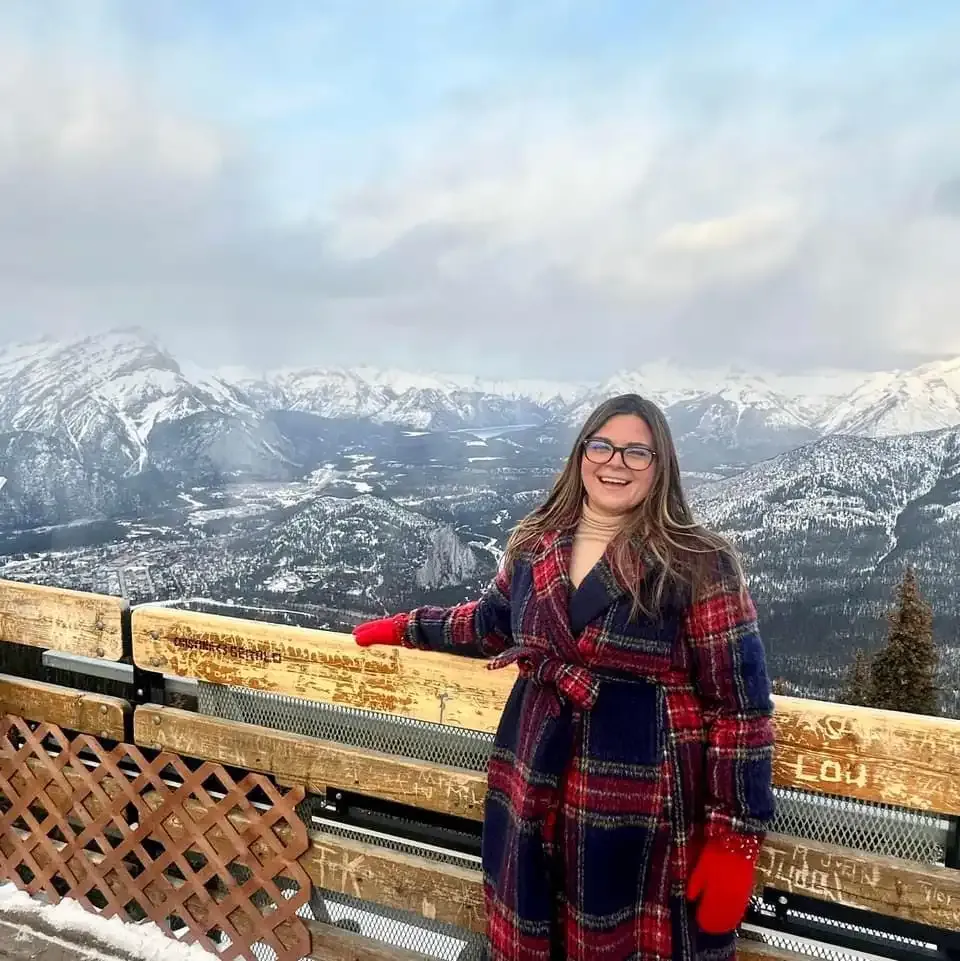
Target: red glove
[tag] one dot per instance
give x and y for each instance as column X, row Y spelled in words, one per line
column 387, row 630
column 723, row 880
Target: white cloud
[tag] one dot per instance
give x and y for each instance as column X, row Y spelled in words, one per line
column 741, row 229
column 803, row 225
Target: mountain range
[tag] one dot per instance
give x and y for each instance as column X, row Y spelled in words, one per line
column 830, row 526
column 355, row 492
column 121, row 399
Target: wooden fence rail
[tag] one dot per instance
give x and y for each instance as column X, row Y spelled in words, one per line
column 71, row 621
column 854, row 752
column 861, row 754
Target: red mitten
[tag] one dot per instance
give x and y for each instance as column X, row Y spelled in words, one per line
column 723, row 879
column 387, row 630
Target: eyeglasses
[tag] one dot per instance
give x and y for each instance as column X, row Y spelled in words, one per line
column 635, row 456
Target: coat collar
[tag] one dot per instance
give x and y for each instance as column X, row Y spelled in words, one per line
column 572, row 609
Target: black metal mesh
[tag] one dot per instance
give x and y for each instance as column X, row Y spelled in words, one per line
column 877, row 828
column 882, row 941
column 388, row 733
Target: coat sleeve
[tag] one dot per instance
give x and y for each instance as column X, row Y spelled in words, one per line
column 730, row 677
column 480, row 628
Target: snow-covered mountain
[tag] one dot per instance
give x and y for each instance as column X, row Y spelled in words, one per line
column 887, row 404
column 724, row 406
column 340, row 543
column 414, row 401
column 104, row 397
column 842, row 482
column 124, row 404
column 45, row 481
column 744, row 416
column 828, row 528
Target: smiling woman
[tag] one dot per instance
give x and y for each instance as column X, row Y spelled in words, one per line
column 630, row 782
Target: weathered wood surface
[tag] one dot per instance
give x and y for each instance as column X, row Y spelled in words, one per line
column 453, row 894
column 61, row 620
column 893, row 887
column 330, row 943
column 321, row 666
column 333, row 944
column 286, row 931
column 317, row 764
column 755, row 951
column 441, row 892
column 859, row 752
column 96, row 714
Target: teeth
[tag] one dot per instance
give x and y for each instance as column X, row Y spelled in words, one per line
column 611, row 480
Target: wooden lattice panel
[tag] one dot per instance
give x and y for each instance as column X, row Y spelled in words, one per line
column 208, row 858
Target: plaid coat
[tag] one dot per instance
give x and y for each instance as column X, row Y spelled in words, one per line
column 622, row 745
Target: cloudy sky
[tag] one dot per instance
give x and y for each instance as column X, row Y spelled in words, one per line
column 552, row 188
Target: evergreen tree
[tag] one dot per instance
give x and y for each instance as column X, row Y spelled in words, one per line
column 903, row 674
column 857, row 690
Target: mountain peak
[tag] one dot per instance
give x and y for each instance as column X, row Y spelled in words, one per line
column 127, row 371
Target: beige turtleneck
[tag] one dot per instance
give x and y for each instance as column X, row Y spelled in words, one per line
column 594, row 532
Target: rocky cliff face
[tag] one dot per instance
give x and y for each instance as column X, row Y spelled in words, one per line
column 449, row 561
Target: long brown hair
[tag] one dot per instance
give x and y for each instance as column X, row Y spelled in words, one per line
column 662, row 525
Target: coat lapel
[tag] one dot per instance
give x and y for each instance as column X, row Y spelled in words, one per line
column 603, row 587
column 569, row 611
column 597, row 593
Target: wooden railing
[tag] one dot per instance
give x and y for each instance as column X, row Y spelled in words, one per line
column 833, row 750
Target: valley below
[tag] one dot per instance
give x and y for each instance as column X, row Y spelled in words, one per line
column 143, row 483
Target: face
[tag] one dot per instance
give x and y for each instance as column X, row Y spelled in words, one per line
column 613, row 487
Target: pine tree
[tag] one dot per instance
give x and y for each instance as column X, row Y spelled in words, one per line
column 903, row 674
column 857, row 690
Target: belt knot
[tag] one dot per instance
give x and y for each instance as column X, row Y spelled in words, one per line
column 574, row 682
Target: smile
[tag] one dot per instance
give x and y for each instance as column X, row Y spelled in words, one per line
column 615, row 481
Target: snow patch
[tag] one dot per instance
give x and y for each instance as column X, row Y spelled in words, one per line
column 142, row 940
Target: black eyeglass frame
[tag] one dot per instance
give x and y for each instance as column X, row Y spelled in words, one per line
column 614, row 450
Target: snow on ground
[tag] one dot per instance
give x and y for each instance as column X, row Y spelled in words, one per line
column 74, row 922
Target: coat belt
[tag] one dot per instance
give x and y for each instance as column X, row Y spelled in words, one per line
column 576, row 683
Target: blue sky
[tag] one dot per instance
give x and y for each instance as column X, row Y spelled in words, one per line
column 451, row 182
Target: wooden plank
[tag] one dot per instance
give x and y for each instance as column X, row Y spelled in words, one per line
column 321, row 666
column 330, row 943
column 441, row 892
column 860, row 752
column 96, row 714
column 62, row 620
column 893, row 887
column 317, row 764
column 449, row 893
column 756, row 951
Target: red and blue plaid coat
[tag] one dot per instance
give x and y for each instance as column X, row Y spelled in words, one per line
column 624, row 743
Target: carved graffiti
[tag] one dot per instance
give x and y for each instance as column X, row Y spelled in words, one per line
column 817, row 770
column 225, row 649
column 827, row 876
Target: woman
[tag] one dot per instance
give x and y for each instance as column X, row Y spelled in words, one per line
column 629, row 786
